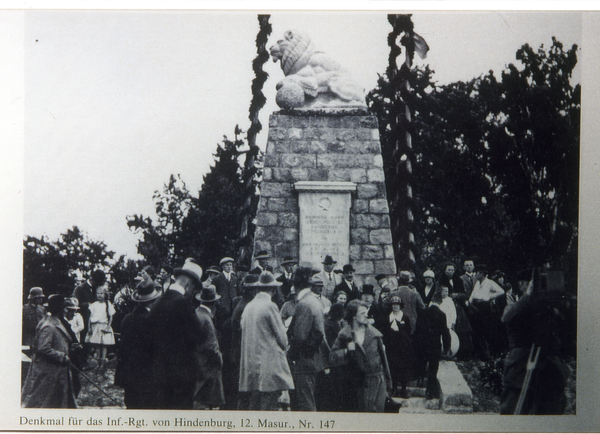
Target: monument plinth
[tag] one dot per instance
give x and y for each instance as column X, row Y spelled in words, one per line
column 323, row 191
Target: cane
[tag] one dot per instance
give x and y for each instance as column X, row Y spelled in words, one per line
column 99, row 388
column 531, row 362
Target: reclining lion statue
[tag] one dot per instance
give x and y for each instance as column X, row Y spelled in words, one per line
column 312, row 78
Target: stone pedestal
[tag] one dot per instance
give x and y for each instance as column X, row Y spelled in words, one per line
column 325, row 159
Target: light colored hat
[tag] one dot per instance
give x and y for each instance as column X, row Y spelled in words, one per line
column 72, row 303
column 213, row 269
column 288, row 260
column 226, row 260
column 429, row 273
column 190, row 269
column 404, row 277
column 267, row 278
column 208, row 294
column 316, row 281
column 36, row 292
column 262, row 254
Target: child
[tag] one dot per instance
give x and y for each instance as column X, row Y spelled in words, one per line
column 100, row 333
column 77, row 323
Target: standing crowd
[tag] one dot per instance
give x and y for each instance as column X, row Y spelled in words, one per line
column 304, row 339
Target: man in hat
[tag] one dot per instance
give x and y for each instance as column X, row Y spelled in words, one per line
column 368, row 296
column 134, row 372
column 177, row 338
column 413, row 303
column 209, row 390
column 263, row 263
column 86, row 294
column 213, row 272
column 49, row 382
column 309, row 352
column 330, row 278
column 348, row 285
column 33, row 313
column 286, row 279
column 481, row 313
column 264, row 369
column 227, row 287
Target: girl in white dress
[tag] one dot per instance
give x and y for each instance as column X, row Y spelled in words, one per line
column 100, row 332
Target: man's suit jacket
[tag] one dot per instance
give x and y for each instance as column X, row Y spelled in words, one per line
column 228, row 290
column 353, row 292
column 468, row 283
column 329, row 284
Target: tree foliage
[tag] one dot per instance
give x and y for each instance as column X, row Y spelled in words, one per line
column 496, row 161
column 57, row 266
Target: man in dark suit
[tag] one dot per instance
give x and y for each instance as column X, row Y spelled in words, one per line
column 348, row 285
column 468, row 278
column 263, row 263
column 287, row 281
column 227, row 287
column 177, row 339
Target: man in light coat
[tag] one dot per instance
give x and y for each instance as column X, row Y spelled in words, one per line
column 330, row 278
column 264, row 369
column 309, row 352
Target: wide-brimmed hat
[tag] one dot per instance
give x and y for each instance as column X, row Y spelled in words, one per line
column 190, row 269
column 213, row 269
column 288, row 260
column 429, row 273
column 348, row 267
column 71, row 303
column 225, row 260
column 404, row 277
column 267, row 278
column 36, row 292
column 250, row 280
column 208, row 294
column 328, row 260
column 262, row 254
column 368, row 289
column 146, row 291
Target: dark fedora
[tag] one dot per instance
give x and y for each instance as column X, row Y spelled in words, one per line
column 328, row 260
column 208, row 294
column 404, row 277
column 288, row 260
column 262, row 254
column 368, row 289
column 347, row 268
column 146, row 291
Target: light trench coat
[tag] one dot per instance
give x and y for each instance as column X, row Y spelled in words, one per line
column 263, row 365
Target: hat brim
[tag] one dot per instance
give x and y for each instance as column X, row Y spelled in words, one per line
column 73, row 307
column 188, row 273
column 262, row 257
column 273, row 283
column 289, row 262
column 200, row 299
column 145, row 297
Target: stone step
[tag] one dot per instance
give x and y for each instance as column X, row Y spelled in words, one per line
column 417, row 405
column 456, row 396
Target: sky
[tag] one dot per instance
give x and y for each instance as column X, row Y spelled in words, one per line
column 115, row 102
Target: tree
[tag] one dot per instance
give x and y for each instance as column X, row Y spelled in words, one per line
column 58, row 266
column 496, row 163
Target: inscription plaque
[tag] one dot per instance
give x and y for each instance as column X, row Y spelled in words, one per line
column 324, row 220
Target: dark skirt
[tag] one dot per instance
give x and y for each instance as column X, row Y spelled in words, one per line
column 400, row 353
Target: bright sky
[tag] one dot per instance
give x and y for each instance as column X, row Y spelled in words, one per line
column 117, row 101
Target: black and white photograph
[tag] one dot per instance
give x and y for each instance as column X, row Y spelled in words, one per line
column 279, row 220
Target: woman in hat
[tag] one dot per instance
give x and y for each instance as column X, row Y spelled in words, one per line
column 49, row 382
column 134, row 364
column 360, row 350
column 100, row 333
column 399, row 346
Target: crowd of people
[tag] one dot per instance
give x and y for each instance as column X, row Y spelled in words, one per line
column 304, row 338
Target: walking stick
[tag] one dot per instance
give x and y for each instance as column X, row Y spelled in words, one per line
column 531, row 362
column 99, row 388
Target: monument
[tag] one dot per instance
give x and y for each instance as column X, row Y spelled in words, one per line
column 323, row 188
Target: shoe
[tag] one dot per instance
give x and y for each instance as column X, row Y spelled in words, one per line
column 404, row 394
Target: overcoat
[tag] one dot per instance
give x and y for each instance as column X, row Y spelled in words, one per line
column 177, row 337
column 413, row 304
column 134, row 367
column 263, row 363
column 372, row 364
column 32, row 315
column 210, row 385
column 49, row 382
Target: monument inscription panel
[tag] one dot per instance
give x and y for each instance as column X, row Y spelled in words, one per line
column 324, row 220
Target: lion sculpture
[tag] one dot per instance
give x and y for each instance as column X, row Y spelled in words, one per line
column 312, row 78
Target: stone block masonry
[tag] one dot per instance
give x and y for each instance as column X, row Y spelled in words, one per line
column 326, row 146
